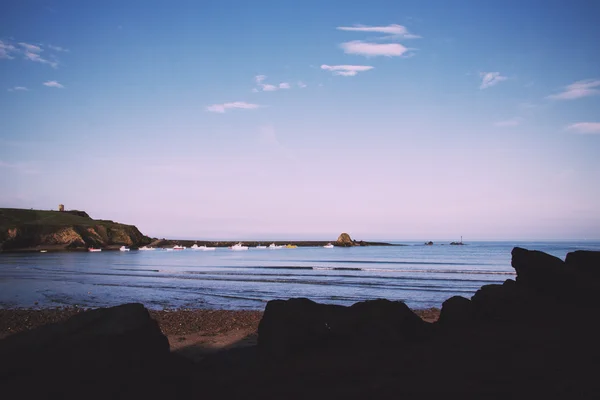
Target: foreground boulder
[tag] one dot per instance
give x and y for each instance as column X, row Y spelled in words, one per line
column 546, row 288
column 540, row 271
column 456, row 311
column 294, row 325
column 108, row 349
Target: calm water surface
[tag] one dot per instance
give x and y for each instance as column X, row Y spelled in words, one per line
column 421, row 276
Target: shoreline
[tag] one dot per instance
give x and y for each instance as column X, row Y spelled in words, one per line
column 174, row 324
column 169, row 243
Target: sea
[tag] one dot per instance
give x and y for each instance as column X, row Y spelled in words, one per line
column 421, row 276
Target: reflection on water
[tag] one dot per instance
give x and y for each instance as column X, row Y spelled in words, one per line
column 422, row 276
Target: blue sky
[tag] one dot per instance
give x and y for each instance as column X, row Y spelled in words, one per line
column 406, row 120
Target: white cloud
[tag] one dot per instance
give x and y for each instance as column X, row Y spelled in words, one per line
column 18, row 89
column 53, row 84
column 490, row 79
column 260, row 78
column 30, row 47
column 373, row 49
column 346, row 70
column 394, row 30
column 36, row 58
column 6, row 49
column 509, row 122
column 284, row 85
column 585, row 127
column 301, row 85
column 220, row 108
column 578, row 89
column 269, row 88
column 58, row 48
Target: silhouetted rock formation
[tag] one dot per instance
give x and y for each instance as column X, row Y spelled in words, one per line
column 295, row 325
column 545, row 287
column 107, row 349
column 533, row 337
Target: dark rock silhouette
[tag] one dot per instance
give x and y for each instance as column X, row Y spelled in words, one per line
column 533, row 337
column 456, row 311
column 295, row 325
column 108, row 349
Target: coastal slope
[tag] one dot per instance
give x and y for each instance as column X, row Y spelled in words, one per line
column 22, row 229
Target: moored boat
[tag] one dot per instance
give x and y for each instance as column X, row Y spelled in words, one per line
column 124, row 248
column 260, row 246
column 274, row 246
column 239, row 246
column 144, row 248
column 93, row 250
column 328, row 246
column 203, row 247
column 290, row 246
column 178, row 247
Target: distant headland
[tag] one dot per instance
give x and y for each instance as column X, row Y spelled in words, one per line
column 75, row 230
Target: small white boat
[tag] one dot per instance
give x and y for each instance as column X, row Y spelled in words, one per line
column 124, row 248
column 178, row 247
column 43, row 251
column 93, row 250
column 274, row 246
column 260, row 247
column 328, row 246
column 203, row 247
column 144, row 248
column 237, row 247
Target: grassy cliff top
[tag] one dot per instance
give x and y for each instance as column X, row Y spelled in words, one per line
column 12, row 217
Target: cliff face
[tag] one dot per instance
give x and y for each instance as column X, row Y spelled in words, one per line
column 33, row 229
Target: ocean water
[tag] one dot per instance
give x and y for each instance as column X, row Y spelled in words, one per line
column 422, row 276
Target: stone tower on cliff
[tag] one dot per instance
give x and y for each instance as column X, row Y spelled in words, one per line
column 61, row 207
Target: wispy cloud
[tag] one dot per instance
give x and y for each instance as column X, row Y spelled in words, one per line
column 490, row 79
column 53, row 84
column 31, row 52
column 284, row 85
column 6, row 50
column 260, row 78
column 585, row 127
column 301, row 85
column 268, row 88
column 373, row 49
column 577, row 90
column 346, row 70
column 30, row 47
column 398, row 31
column 58, row 48
column 221, row 108
column 18, row 89
column 37, row 58
column 509, row 122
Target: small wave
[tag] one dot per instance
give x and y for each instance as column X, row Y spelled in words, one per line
column 391, row 262
column 137, row 269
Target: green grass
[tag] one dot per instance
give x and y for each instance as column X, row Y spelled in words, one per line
column 13, row 217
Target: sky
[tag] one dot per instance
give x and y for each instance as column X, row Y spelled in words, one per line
column 389, row 120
